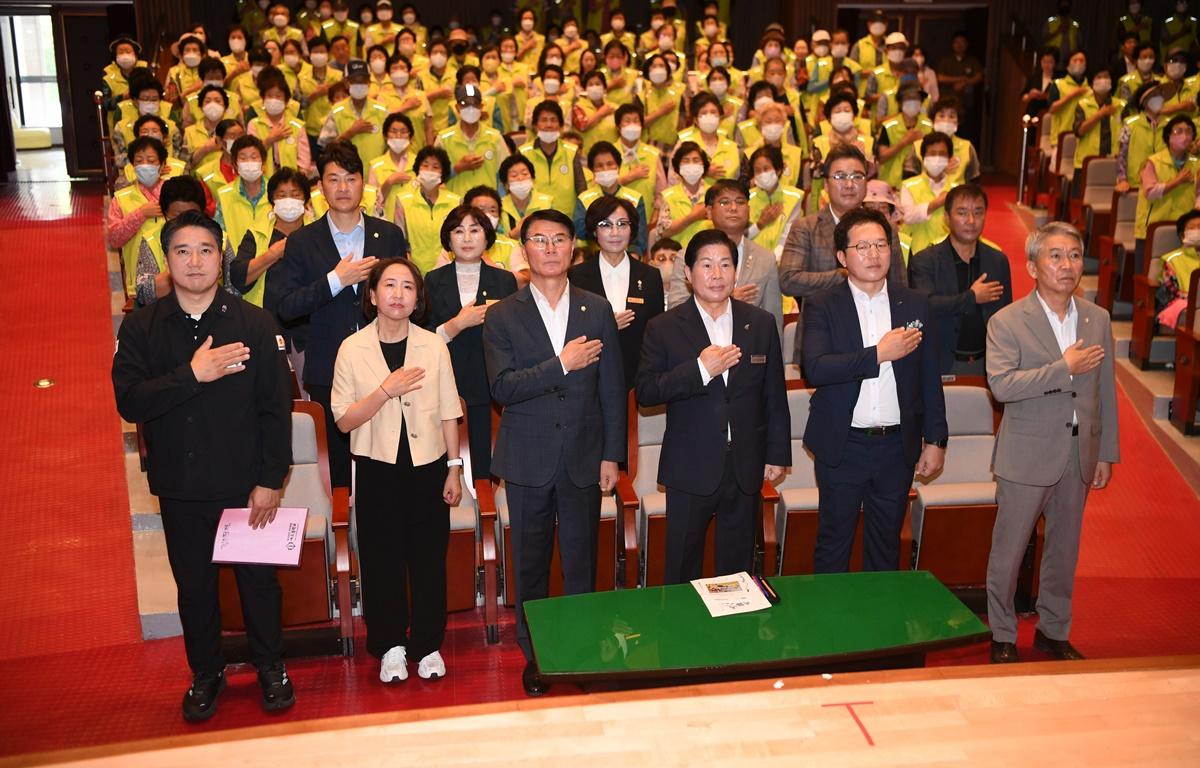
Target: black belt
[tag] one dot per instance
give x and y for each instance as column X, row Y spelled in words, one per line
column 968, row 358
column 887, row 429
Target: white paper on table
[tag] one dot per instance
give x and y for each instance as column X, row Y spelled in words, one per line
column 728, row 595
column 278, row 543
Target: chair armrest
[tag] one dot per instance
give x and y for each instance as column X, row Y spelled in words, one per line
column 906, row 536
column 485, row 498
column 770, row 538
column 627, row 509
column 340, row 520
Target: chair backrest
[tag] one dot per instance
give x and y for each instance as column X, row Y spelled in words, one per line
column 969, row 416
column 651, row 426
column 802, row 473
column 1066, row 148
column 1099, row 178
column 307, row 483
column 789, row 340
column 968, row 411
column 1044, row 133
column 1160, row 240
column 1125, row 207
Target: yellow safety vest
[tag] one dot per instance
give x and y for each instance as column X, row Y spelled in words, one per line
column 331, row 28
column 1178, row 32
column 318, row 109
column 1064, row 119
column 893, row 170
column 788, row 196
column 652, row 159
column 232, row 112
column 538, row 201
column 869, row 55
column 962, row 150
column 376, row 32
column 174, row 168
column 1144, row 140
column 793, row 162
column 680, row 205
column 184, row 76
column 368, row 144
column 423, row 223
column 241, row 217
column 604, row 130
column 439, row 108
column 512, row 102
column 380, row 169
column 1088, row 145
column 1171, row 205
column 1184, row 261
column 130, row 199
column 1062, row 36
column 556, row 176
column 932, row 230
column 530, row 58
column 1141, row 25
column 501, row 252
column 457, row 146
column 288, row 148
column 212, row 177
column 663, row 131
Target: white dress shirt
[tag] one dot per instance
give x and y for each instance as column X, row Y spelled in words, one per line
column 1066, row 332
column 347, row 244
column 468, row 281
column 878, row 405
column 720, row 332
column 554, row 318
column 616, row 282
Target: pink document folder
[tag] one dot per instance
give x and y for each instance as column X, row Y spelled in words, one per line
column 279, row 543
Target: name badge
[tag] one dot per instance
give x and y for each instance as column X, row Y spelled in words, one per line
column 758, row 359
column 490, row 302
column 634, row 300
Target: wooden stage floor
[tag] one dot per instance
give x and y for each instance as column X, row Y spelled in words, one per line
column 1093, row 713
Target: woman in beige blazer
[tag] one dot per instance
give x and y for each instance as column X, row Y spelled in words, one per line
column 394, row 392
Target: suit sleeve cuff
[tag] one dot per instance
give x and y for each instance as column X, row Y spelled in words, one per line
column 704, row 377
column 335, row 285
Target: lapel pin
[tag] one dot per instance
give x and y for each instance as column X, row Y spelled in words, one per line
column 639, row 285
column 1087, row 319
column 747, row 326
column 374, row 234
column 582, row 309
column 485, row 293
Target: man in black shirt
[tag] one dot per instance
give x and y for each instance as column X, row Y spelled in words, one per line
column 206, row 374
column 967, row 280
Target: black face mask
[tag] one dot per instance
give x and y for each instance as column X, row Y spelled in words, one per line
column 458, row 49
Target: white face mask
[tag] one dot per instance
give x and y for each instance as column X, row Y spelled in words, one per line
column 409, row 19
column 1145, row 65
column 618, row 26
column 691, row 172
column 1154, row 104
column 274, row 107
column 710, row 32
column 821, row 50
column 766, row 181
column 719, row 88
column 341, row 16
column 596, row 93
column 250, row 170
column 1077, row 71
column 429, row 179
column 570, row 33
column 495, row 220
column 191, row 60
column 551, row 86
column 548, row 137
column 237, row 44
column 292, row 61
column 606, row 179
column 1176, row 69
column 895, row 55
column 1191, row 238
column 470, row 115
column 658, row 76
column 256, row 69
column 631, row 132
column 877, row 28
column 946, row 127
column 147, row 107
column 320, row 59
column 841, row 121
column 839, row 50
column 288, row 209
column 527, row 25
column 400, row 78
column 437, row 60
column 126, row 60
column 213, row 111
column 772, row 132
column 554, row 61
column 384, row 14
column 1102, row 87
column 217, row 83
column 228, row 145
column 935, row 165
column 507, row 57
column 761, row 102
column 359, row 90
column 378, row 66
column 911, row 108
column 521, row 188
column 718, row 61
column 708, row 123
column 397, row 145
column 666, row 43
column 147, row 175
column 280, row 21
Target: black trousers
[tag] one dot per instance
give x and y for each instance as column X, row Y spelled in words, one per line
column 190, row 528
column 688, row 516
column 403, row 530
column 339, row 441
column 479, row 435
column 875, row 477
column 533, row 511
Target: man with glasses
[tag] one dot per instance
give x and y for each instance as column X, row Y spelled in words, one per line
column 716, row 363
column 878, row 396
column 728, row 203
column 808, row 263
column 554, row 365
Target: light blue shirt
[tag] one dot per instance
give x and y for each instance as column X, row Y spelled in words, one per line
column 348, row 243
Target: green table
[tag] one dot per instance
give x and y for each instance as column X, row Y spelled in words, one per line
column 833, row 620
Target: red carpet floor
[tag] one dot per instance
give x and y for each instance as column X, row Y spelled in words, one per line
column 74, row 667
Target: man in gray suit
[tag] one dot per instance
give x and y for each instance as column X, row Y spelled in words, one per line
column 1050, row 361
column 728, row 203
column 809, row 261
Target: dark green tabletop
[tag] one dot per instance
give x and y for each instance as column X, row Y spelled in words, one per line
column 667, row 631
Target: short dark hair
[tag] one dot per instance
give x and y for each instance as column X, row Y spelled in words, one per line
column 606, row 206
column 246, row 140
column 342, row 153
column 1180, row 224
column 467, row 69
column 144, row 82
column 550, row 215
column 547, row 106
column 456, row 217
column 629, row 109
column 181, row 189
column 483, row 190
column 397, row 117
column 381, row 266
column 650, row 61
column 842, row 152
column 151, row 118
column 602, row 148
column 936, row 137
column 318, row 42
column 841, row 96
column 725, row 185
column 224, row 125
column 701, row 100
column 966, row 191
column 773, row 154
column 706, row 238
column 855, row 217
column 210, row 64
column 1174, row 121
column 283, row 176
column 272, row 77
column 948, row 102
column 147, row 142
column 515, row 159
column 665, row 244
column 684, row 150
column 189, row 219
column 213, row 89
column 438, row 154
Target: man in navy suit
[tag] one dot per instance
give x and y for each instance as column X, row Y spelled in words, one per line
column 717, row 364
column 554, row 364
column 878, row 395
column 324, row 266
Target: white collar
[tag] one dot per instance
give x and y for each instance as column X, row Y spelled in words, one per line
column 540, row 298
column 859, row 293
column 727, row 312
column 1050, row 313
column 337, row 232
column 622, row 266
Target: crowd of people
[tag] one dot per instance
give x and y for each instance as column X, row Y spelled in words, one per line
column 540, row 216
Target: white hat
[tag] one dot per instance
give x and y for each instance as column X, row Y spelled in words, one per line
column 895, row 38
column 819, row 35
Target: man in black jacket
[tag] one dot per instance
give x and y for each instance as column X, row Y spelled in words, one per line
column 717, row 364
column 324, row 266
column 967, row 280
column 206, row 374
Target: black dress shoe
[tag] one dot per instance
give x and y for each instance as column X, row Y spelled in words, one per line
column 1004, row 653
column 1059, row 649
column 534, row 685
column 277, row 692
column 200, row 701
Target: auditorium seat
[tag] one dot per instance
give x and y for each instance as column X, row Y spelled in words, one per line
column 791, row 326
column 1114, row 248
column 1090, row 213
column 1186, row 396
column 1161, row 239
column 1062, row 171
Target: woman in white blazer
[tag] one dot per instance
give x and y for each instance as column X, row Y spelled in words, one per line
column 394, row 392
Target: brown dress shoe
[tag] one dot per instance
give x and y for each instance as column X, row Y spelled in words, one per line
column 1059, row 649
column 1004, row 653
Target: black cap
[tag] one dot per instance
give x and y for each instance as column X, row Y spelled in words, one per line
column 357, row 68
column 468, row 92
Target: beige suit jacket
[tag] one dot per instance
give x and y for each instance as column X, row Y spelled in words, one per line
column 1027, row 372
column 360, row 369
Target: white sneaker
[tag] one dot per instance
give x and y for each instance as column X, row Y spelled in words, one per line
column 431, row 666
column 394, row 666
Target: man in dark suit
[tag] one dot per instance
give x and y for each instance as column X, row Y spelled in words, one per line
column 467, row 233
column 717, row 364
column 634, row 289
column 967, row 280
column 551, row 354
column 875, row 400
column 324, row 265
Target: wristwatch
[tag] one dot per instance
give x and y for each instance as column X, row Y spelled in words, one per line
column 941, row 443
column 454, row 462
